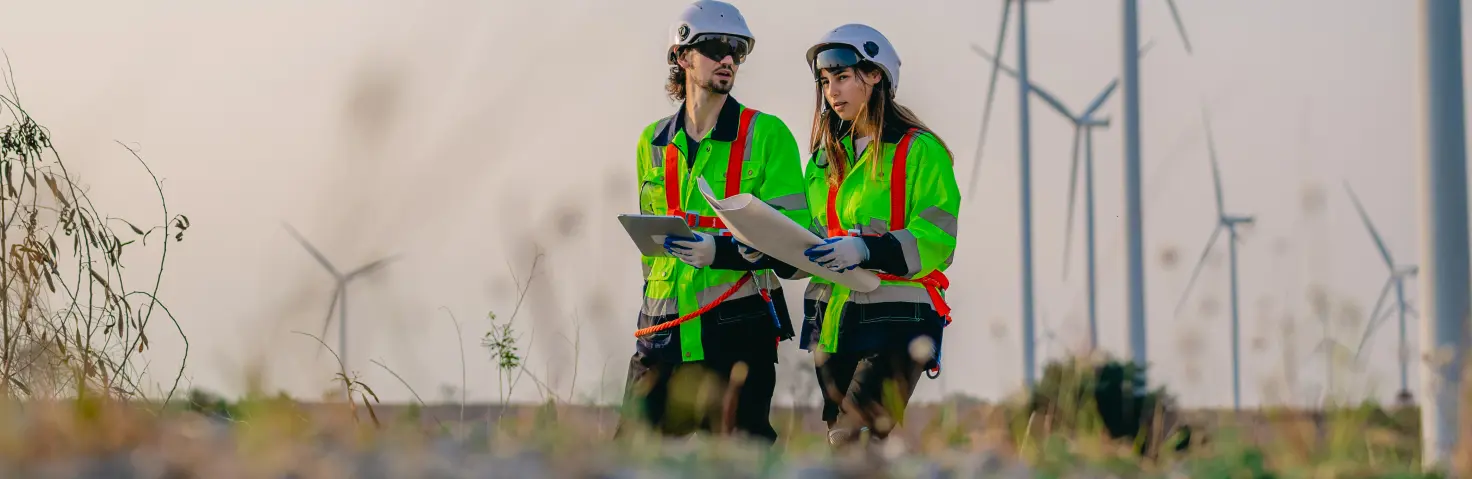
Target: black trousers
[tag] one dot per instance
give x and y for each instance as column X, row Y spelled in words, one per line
column 718, row 396
column 865, row 391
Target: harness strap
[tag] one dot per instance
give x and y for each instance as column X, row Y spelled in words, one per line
column 934, row 282
column 672, row 196
column 673, row 192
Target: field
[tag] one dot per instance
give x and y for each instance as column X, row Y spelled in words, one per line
column 276, row 436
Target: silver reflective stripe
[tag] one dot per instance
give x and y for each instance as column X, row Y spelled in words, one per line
column 819, row 229
column 892, row 294
column 795, row 201
column 820, row 292
column 941, row 219
column 659, row 307
column 750, row 128
column 709, row 295
column 647, row 268
column 911, row 249
column 656, row 157
column 949, row 259
column 876, row 226
column 664, row 123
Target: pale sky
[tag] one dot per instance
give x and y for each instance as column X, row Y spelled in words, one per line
column 503, row 123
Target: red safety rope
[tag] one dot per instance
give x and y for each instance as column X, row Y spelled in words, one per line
column 697, row 313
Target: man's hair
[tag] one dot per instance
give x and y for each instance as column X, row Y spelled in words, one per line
column 675, row 85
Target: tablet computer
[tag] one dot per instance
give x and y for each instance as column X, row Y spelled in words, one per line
column 649, row 231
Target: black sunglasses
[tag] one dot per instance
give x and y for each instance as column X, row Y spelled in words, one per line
column 718, row 47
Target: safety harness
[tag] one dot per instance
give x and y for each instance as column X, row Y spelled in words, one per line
column 936, row 281
column 672, row 194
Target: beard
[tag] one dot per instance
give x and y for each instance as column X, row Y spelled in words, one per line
column 717, row 86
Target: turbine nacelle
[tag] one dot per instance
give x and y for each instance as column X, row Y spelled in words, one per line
column 1230, row 220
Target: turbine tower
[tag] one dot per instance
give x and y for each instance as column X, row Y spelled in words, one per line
column 1229, row 223
column 1133, row 221
column 1084, row 124
column 339, row 300
column 1398, row 275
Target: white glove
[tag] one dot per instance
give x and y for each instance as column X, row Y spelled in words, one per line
column 839, row 254
column 751, row 254
column 698, row 252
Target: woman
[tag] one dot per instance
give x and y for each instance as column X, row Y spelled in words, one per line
column 881, row 189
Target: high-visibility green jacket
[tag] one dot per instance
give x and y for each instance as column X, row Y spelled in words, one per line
column 769, row 168
column 898, row 311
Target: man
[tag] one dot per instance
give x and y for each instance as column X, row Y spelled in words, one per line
column 713, row 313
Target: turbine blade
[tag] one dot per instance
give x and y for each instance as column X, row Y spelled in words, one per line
column 331, row 308
column 370, row 267
column 1374, row 319
column 1144, row 49
column 1072, row 193
column 312, row 250
column 1041, row 92
column 1101, row 98
column 1216, row 231
column 1216, row 174
column 1379, row 243
column 1180, row 26
column 986, row 112
column 1113, row 84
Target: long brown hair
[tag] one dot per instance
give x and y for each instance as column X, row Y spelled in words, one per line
column 878, row 115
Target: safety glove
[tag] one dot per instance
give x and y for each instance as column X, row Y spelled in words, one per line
column 839, row 254
column 699, row 251
column 751, row 254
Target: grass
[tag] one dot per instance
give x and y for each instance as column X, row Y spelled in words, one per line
column 75, row 400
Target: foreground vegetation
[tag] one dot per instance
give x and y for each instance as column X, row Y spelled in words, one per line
column 1057, row 432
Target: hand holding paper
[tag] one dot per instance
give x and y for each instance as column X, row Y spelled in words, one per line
column 839, row 254
column 765, row 229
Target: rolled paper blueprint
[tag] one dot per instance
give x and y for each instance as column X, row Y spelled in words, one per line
column 754, row 222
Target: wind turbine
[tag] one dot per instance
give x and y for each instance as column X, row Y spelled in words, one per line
column 1029, row 339
column 1229, row 223
column 1134, row 243
column 339, row 293
column 1084, row 124
column 1398, row 274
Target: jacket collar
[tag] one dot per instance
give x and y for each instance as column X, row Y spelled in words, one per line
column 728, row 121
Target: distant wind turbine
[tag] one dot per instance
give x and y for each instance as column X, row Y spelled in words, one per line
column 1228, row 223
column 1398, row 274
column 339, row 300
column 1084, row 124
column 1024, row 168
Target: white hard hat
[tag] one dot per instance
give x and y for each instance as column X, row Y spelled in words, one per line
column 863, row 40
column 707, row 17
